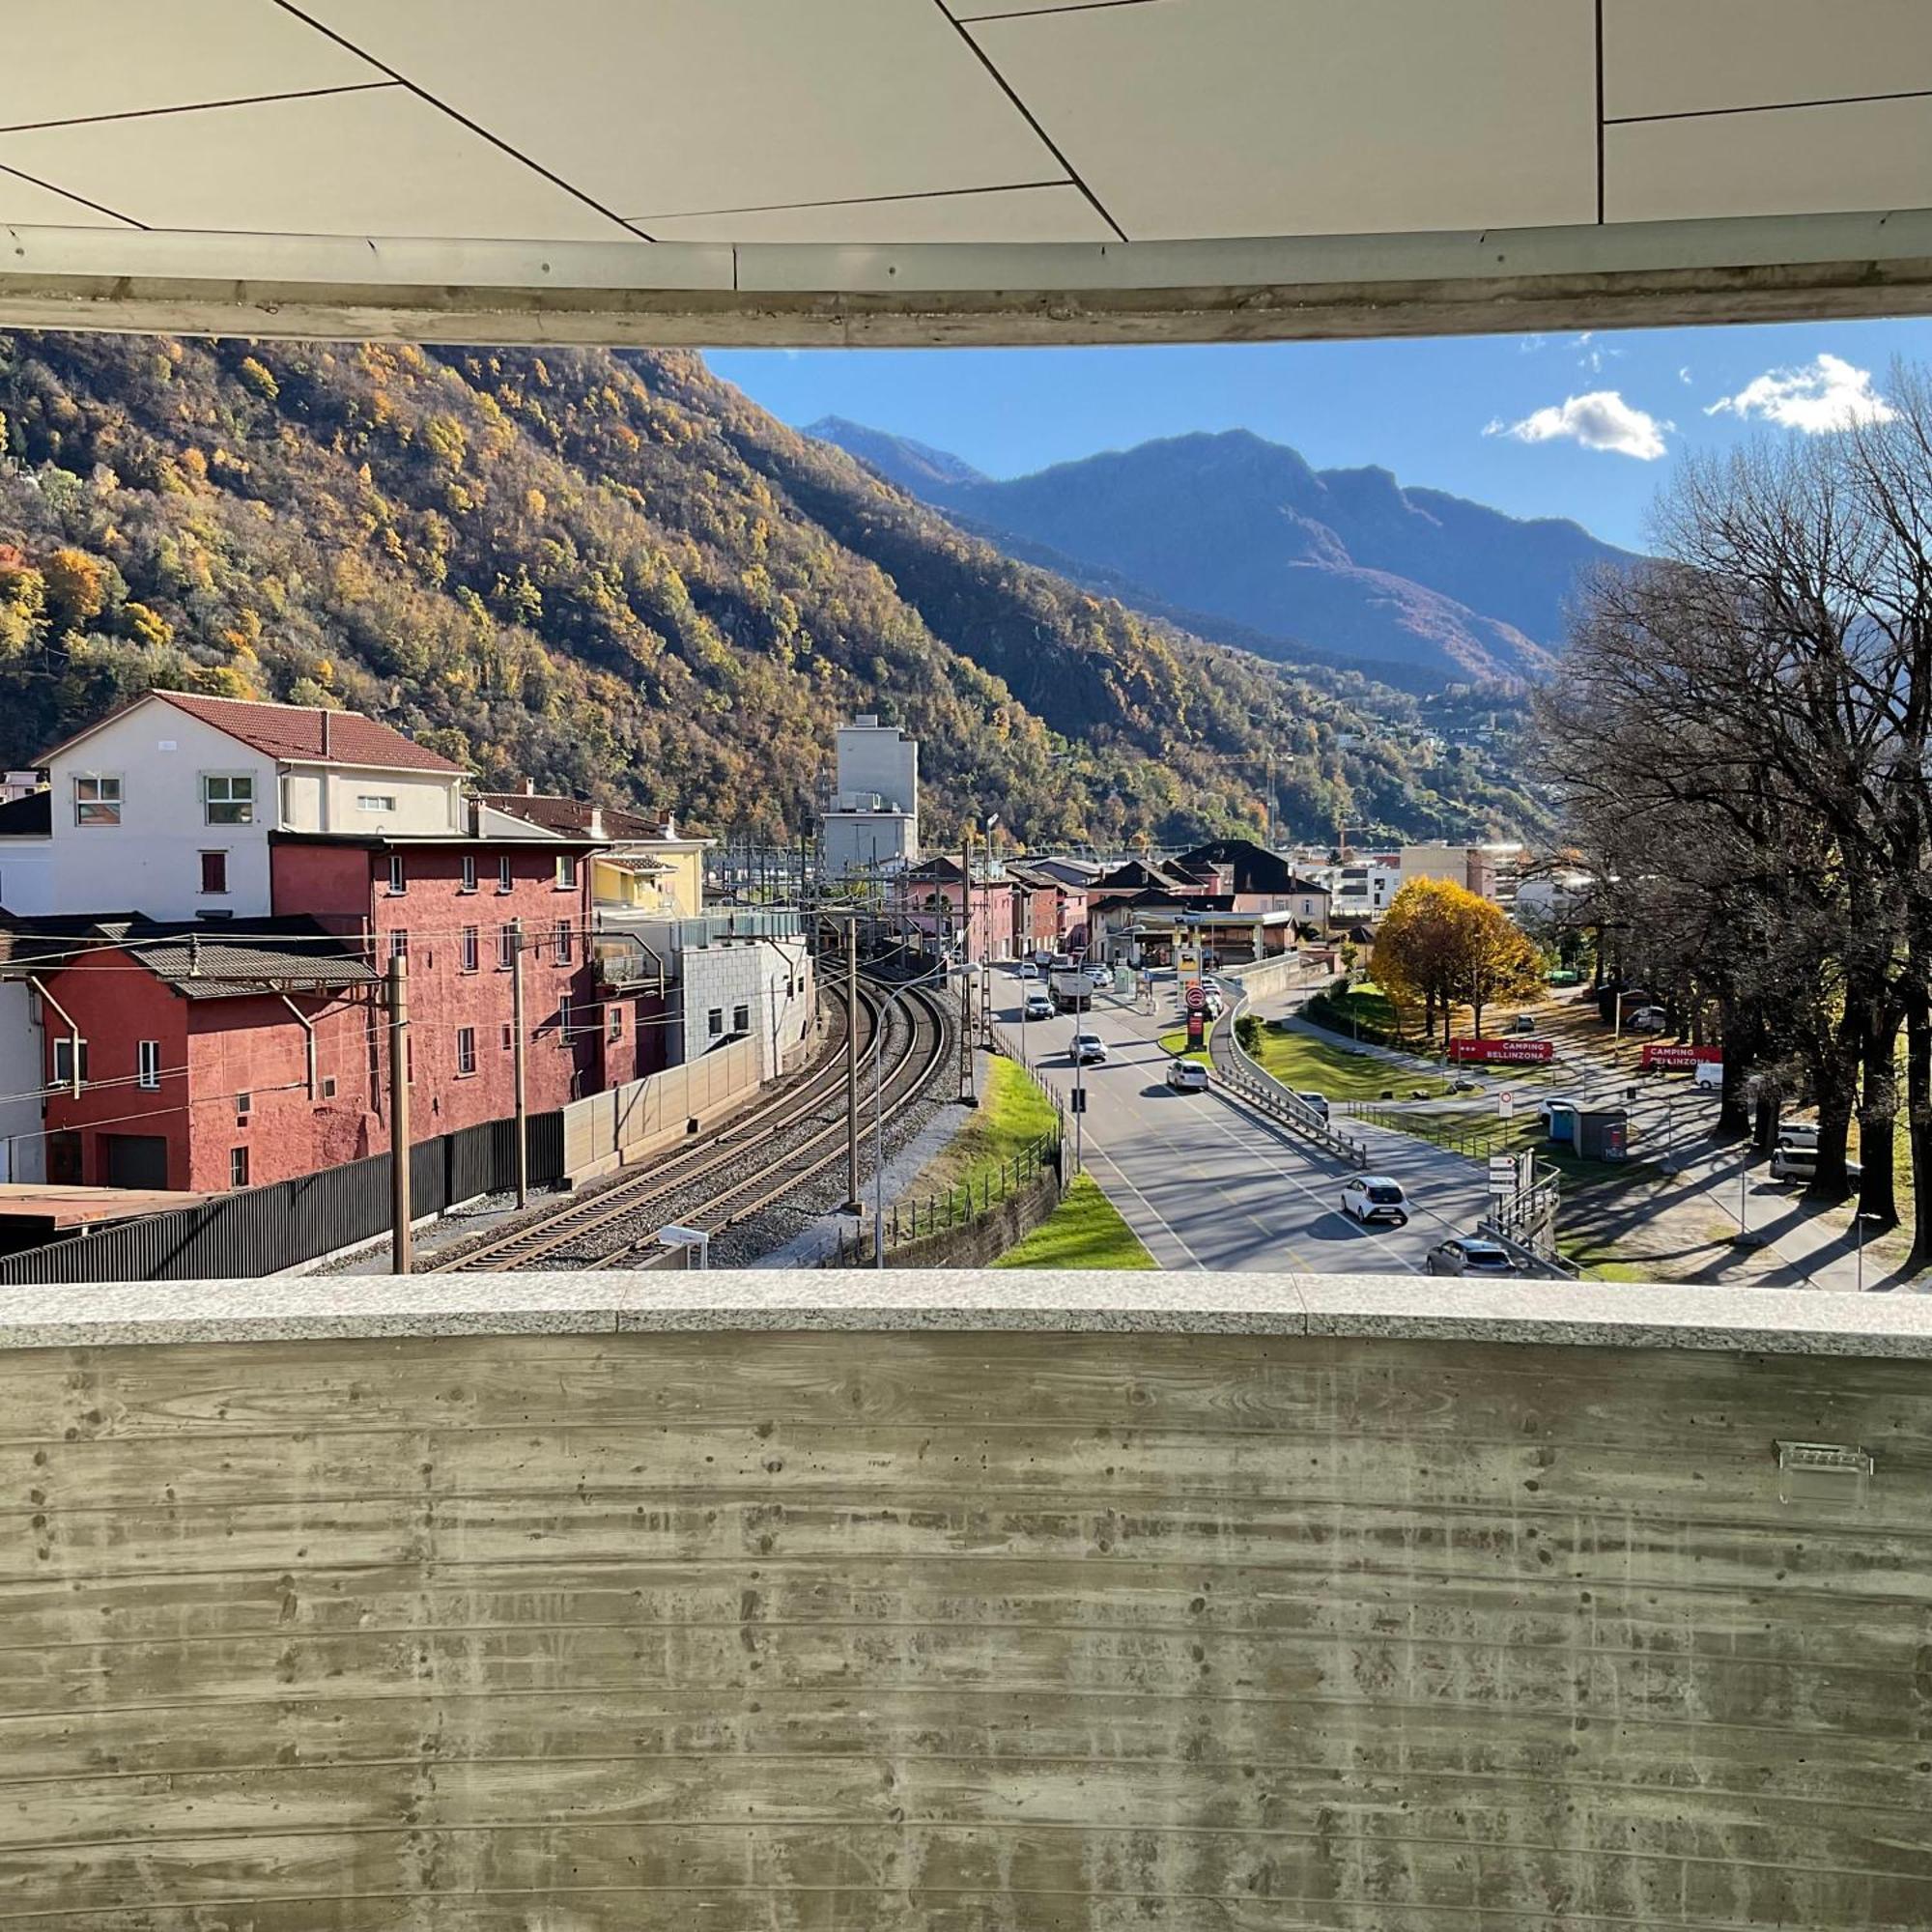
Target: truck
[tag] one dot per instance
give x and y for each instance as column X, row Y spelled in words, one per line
column 1073, row 989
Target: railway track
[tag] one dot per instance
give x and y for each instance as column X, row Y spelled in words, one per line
column 755, row 1161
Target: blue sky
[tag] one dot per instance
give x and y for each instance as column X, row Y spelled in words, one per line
column 1558, row 425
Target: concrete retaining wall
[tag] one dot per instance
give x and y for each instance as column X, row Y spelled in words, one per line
column 609, row 1130
column 991, row 1628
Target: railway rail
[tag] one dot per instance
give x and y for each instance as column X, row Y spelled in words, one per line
column 751, row 1164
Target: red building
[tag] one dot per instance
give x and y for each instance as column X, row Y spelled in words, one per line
column 208, row 1059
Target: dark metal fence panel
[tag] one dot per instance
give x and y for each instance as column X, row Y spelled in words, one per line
column 546, row 1144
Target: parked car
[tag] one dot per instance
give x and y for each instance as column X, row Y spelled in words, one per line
column 1646, row 1019
column 1545, row 1108
column 1523, row 1023
column 1039, row 1007
column 1101, row 976
column 1800, row 1163
column 1469, row 1257
column 1374, row 1197
column 1315, row 1104
column 1798, row 1135
column 1213, row 1005
column 1188, row 1076
column 1088, row 1050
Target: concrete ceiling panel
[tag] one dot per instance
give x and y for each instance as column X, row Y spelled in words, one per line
column 1867, row 155
column 30, row 205
column 66, row 60
column 1316, row 117
column 1056, row 212
column 689, row 106
column 1668, row 57
column 373, row 162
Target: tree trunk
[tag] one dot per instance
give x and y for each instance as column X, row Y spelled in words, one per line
column 1919, row 1105
column 1878, row 1116
column 1743, row 1038
column 1835, row 1075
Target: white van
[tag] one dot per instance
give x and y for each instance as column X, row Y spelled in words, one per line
column 1708, row 1073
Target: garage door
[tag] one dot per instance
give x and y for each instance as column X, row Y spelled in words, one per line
column 136, row 1160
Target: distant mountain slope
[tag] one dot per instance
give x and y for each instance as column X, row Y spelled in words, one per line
column 1337, row 562
column 614, row 574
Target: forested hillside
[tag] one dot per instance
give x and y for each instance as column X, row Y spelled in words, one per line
column 612, row 573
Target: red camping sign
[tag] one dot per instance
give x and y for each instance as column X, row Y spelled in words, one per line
column 1659, row 1058
column 1462, row 1052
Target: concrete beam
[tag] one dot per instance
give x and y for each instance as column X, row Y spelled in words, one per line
column 677, row 295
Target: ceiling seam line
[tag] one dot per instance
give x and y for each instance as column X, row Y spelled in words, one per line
column 199, row 106
column 1602, row 196
column 483, row 134
column 1052, row 146
column 67, row 194
column 1046, row 13
column 857, row 200
column 1769, row 107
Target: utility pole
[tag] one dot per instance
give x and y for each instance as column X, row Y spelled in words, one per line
column 519, row 1046
column 401, row 1260
column 852, row 1061
column 968, row 1098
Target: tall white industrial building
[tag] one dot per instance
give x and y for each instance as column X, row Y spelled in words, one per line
column 872, row 822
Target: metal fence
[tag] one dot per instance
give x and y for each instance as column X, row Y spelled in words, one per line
column 971, row 1200
column 1478, row 1139
column 258, row 1230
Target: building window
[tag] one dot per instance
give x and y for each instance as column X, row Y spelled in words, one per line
column 244, row 1105
column 376, row 801
column 399, row 879
column 504, row 872
column 468, row 884
column 227, row 798
column 97, row 801
column 564, row 940
column 563, row 1021
column 509, row 1036
column 328, row 1086
column 215, row 871
column 741, row 1019
column 399, row 944
column 64, row 1071
column 506, row 946
column 616, row 1021
column 714, row 1023
column 566, row 870
column 238, row 1167
column 148, row 1064
column 472, row 948
column 466, row 1052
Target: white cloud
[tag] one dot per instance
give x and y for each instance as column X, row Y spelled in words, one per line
column 1528, row 345
column 1683, row 376
column 1825, row 394
column 1600, row 420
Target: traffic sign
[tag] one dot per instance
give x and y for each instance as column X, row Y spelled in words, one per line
column 1079, row 1099
column 1506, row 1105
column 1503, row 1173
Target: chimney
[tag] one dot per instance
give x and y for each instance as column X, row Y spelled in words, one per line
column 596, row 827
column 325, row 730
column 530, row 787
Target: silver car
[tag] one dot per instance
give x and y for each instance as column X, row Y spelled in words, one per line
column 1469, row 1257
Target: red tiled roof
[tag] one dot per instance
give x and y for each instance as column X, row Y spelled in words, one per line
column 298, row 731
column 571, row 815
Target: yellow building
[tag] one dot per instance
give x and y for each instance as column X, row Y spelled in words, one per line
column 646, row 868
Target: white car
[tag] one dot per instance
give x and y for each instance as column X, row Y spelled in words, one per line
column 1374, row 1197
column 1647, row 1019
column 1088, row 1050
column 1101, row 976
column 1039, row 1007
column 1188, row 1076
column 1028, row 970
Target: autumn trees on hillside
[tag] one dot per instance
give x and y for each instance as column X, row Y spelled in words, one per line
column 1740, row 734
column 1440, row 946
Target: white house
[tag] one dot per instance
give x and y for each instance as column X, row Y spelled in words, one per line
column 165, row 807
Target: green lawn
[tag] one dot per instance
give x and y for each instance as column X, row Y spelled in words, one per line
column 1011, row 1114
column 1176, row 1042
column 1084, row 1231
column 1309, row 1064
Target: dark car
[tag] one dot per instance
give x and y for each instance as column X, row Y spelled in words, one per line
column 1469, row 1257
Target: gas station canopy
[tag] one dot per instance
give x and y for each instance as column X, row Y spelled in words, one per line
column 941, row 171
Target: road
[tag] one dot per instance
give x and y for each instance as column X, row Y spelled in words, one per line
column 1205, row 1184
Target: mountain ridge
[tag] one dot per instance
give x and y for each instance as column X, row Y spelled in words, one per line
column 1344, row 563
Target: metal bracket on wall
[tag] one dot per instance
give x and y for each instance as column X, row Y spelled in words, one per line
column 1834, row 1472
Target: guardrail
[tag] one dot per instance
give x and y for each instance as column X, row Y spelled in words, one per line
column 1257, row 1086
